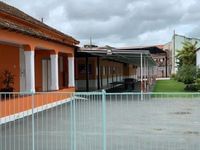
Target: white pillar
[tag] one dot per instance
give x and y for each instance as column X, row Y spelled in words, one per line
column 54, row 72
column 30, row 71
column 71, row 72
column 141, row 71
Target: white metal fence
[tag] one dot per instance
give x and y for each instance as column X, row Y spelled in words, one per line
column 100, row 121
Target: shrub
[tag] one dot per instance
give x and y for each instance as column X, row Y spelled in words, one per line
column 192, row 87
column 187, row 74
column 173, row 76
column 7, row 81
column 198, row 81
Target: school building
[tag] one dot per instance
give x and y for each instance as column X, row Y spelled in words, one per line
column 39, row 57
column 38, row 60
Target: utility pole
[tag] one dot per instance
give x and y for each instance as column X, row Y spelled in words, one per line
column 90, row 42
column 173, row 53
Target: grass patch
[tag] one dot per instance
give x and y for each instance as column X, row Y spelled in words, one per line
column 169, row 86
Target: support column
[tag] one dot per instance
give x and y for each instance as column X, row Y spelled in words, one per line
column 98, row 73
column 54, row 72
column 147, row 72
column 30, row 71
column 144, row 74
column 71, row 75
column 87, row 73
column 166, row 65
column 141, row 72
column 147, row 84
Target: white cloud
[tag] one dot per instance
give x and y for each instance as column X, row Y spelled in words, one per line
column 121, row 22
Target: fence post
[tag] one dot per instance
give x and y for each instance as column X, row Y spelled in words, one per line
column 73, row 122
column 33, row 121
column 104, row 118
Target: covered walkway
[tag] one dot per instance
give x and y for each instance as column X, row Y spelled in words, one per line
column 139, row 60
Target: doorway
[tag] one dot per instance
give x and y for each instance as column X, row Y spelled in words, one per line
column 46, row 75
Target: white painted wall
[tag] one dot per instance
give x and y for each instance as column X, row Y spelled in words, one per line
column 71, row 72
column 198, row 58
column 54, row 72
column 30, row 70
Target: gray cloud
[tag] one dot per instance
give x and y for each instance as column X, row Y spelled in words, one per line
column 117, row 22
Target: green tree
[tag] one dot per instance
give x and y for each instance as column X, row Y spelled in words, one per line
column 187, row 71
column 187, row 74
column 187, row 55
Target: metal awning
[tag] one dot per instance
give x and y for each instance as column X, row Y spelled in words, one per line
column 125, row 56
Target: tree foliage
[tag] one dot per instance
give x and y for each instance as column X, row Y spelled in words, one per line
column 187, row 55
column 187, row 71
column 187, row 74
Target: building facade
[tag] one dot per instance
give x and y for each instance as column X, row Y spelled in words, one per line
column 39, row 57
column 174, row 46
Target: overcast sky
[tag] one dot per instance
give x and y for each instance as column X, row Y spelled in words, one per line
column 117, row 22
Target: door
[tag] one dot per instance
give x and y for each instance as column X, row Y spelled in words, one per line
column 46, row 75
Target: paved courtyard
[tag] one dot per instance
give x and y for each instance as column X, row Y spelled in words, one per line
column 131, row 124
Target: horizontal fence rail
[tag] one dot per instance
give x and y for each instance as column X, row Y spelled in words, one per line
column 99, row 121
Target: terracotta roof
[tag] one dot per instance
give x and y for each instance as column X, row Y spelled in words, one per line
column 160, row 46
column 8, row 24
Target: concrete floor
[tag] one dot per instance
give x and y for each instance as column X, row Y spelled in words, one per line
column 153, row 124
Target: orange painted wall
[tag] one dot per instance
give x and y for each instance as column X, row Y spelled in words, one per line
column 33, row 43
column 115, row 68
column 18, row 104
column 129, row 70
column 9, row 59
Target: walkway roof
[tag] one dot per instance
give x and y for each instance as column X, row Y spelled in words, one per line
column 131, row 56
